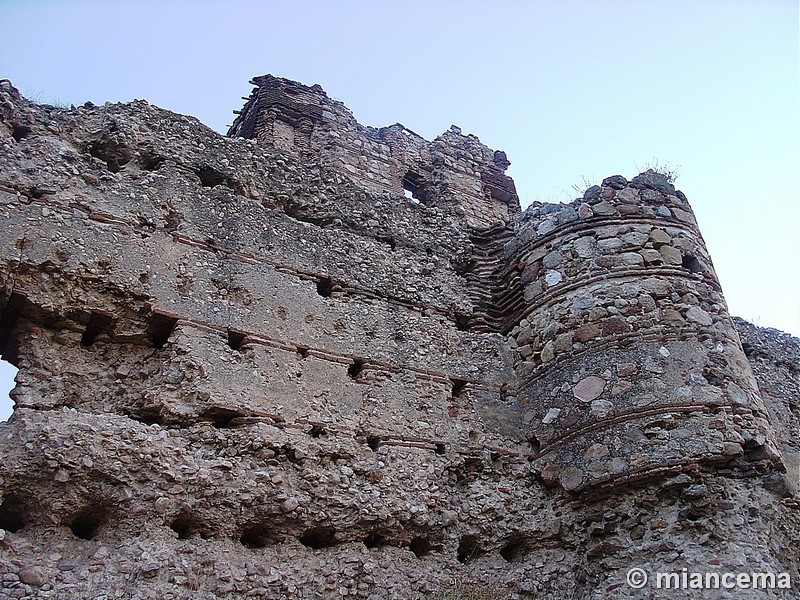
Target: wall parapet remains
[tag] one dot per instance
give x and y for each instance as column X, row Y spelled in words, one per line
column 454, row 168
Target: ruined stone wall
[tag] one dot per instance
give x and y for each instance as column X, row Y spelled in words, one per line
column 775, row 360
column 248, row 371
column 453, row 168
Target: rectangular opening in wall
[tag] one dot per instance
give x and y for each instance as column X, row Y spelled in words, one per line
column 692, row 264
column 325, row 287
column 458, row 386
column 356, row 368
column 414, row 186
column 99, row 322
column 160, row 328
column 235, row 339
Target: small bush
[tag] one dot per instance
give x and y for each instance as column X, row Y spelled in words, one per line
column 666, row 170
column 586, row 183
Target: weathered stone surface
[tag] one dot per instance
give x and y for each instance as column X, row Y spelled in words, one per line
column 651, row 257
column 586, row 332
column 563, row 342
column 653, row 180
column 552, row 260
column 635, row 238
column 625, row 369
column 589, row 388
column 585, row 246
column 620, row 387
column 628, row 195
column 601, row 408
column 548, row 352
column 670, row 315
column 33, row 576
column 698, row 315
column 551, row 415
column 571, row 478
column 615, row 181
column 659, row 237
column 604, row 209
column 254, row 367
column 670, row 255
column 615, row 325
column 553, row 277
column 593, row 193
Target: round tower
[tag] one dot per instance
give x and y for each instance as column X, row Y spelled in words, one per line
column 629, row 365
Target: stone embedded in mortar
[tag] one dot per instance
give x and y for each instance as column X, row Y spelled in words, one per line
column 551, row 415
column 696, row 314
column 571, row 478
column 586, row 332
column 602, row 408
column 659, row 237
column 670, row 255
column 589, row 388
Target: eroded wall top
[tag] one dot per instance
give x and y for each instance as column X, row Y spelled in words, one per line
column 452, row 169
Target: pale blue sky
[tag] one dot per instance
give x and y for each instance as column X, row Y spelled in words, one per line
column 571, row 90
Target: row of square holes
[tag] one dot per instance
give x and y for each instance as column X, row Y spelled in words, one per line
column 87, row 524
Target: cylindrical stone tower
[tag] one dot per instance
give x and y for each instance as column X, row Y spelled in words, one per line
column 628, row 362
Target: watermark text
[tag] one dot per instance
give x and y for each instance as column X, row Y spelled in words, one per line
column 684, row 579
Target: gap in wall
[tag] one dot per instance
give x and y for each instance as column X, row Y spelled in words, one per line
column 7, row 374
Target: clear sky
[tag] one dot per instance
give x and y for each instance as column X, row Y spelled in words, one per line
column 573, row 91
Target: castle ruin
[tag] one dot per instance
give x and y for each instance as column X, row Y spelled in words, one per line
column 314, row 359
